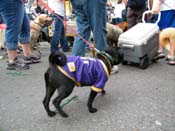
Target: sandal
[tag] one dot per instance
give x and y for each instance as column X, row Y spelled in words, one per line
column 32, row 59
column 170, row 61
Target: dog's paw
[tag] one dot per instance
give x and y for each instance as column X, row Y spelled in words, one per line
column 52, row 113
column 92, row 110
column 63, row 114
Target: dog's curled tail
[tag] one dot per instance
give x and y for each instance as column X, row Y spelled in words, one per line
column 58, row 58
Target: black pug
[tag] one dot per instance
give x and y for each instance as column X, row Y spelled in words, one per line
column 66, row 72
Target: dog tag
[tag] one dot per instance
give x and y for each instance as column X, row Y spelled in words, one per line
column 71, row 66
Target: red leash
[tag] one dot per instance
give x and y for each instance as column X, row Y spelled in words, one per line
column 52, row 12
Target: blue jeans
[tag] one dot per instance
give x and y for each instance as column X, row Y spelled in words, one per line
column 18, row 24
column 58, row 36
column 90, row 16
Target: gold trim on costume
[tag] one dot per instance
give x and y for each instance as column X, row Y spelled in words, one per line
column 107, row 61
column 67, row 75
column 105, row 68
column 96, row 89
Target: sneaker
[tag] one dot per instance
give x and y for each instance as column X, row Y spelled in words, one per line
column 67, row 50
column 160, row 55
column 32, row 59
column 114, row 69
column 17, row 65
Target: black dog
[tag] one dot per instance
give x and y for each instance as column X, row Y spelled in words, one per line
column 82, row 71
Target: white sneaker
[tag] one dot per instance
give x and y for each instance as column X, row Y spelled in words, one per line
column 114, row 69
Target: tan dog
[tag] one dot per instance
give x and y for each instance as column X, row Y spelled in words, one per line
column 167, row 36
column 36, row 27
column 113, row 33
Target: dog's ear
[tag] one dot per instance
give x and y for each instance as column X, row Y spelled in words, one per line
column 58, row 58
column 41, row 19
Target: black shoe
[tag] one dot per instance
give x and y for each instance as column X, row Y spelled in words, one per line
column 17, row 65
column 160, row 55
column 67, row 50
column 32, row 59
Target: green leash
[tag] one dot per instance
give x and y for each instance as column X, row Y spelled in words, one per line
column 15, row 73
column 69, row 100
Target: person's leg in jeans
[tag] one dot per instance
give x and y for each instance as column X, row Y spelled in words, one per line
column 63, row 41
column 139, row 14
column 13, row 27
column 131, row 18
column 24, row 36
column 24, row 39
column 83, row 25
column 58, row 34
column 13, row 13
column 97, row 14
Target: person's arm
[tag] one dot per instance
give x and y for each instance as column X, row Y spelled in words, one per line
column 156, row 6
column 108, row 4
column 59, row 0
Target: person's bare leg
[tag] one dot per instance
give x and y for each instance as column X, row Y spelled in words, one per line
column 160, row 43
column 171, row 53
column 29, row 58
column 172, row 48
column 26, row 50
column 160, row 47
column 11, row 55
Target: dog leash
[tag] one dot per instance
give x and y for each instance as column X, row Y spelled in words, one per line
column 83, row 39
column 16, row 73
column 69, row 100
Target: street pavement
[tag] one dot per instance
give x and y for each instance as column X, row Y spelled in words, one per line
column 136, row 100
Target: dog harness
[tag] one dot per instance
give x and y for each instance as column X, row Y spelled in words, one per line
column 86, row 72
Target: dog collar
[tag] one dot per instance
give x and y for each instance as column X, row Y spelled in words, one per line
column 110, row 57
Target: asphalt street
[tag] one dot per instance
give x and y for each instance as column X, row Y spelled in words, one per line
column 136, row 100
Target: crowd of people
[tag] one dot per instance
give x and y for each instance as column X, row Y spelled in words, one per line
column 90, row 17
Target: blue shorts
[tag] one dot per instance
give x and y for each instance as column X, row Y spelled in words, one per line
column 18, row 25
column 167, row 19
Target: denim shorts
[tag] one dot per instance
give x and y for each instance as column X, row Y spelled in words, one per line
column 167, row 19
column 18, row 25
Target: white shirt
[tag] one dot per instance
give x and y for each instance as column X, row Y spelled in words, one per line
column 57, row 6
column 167, row 5
column 118, row 10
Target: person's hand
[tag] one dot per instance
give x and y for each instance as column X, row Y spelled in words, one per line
column 149, row 15
column 25, row 1
column 109, row 4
